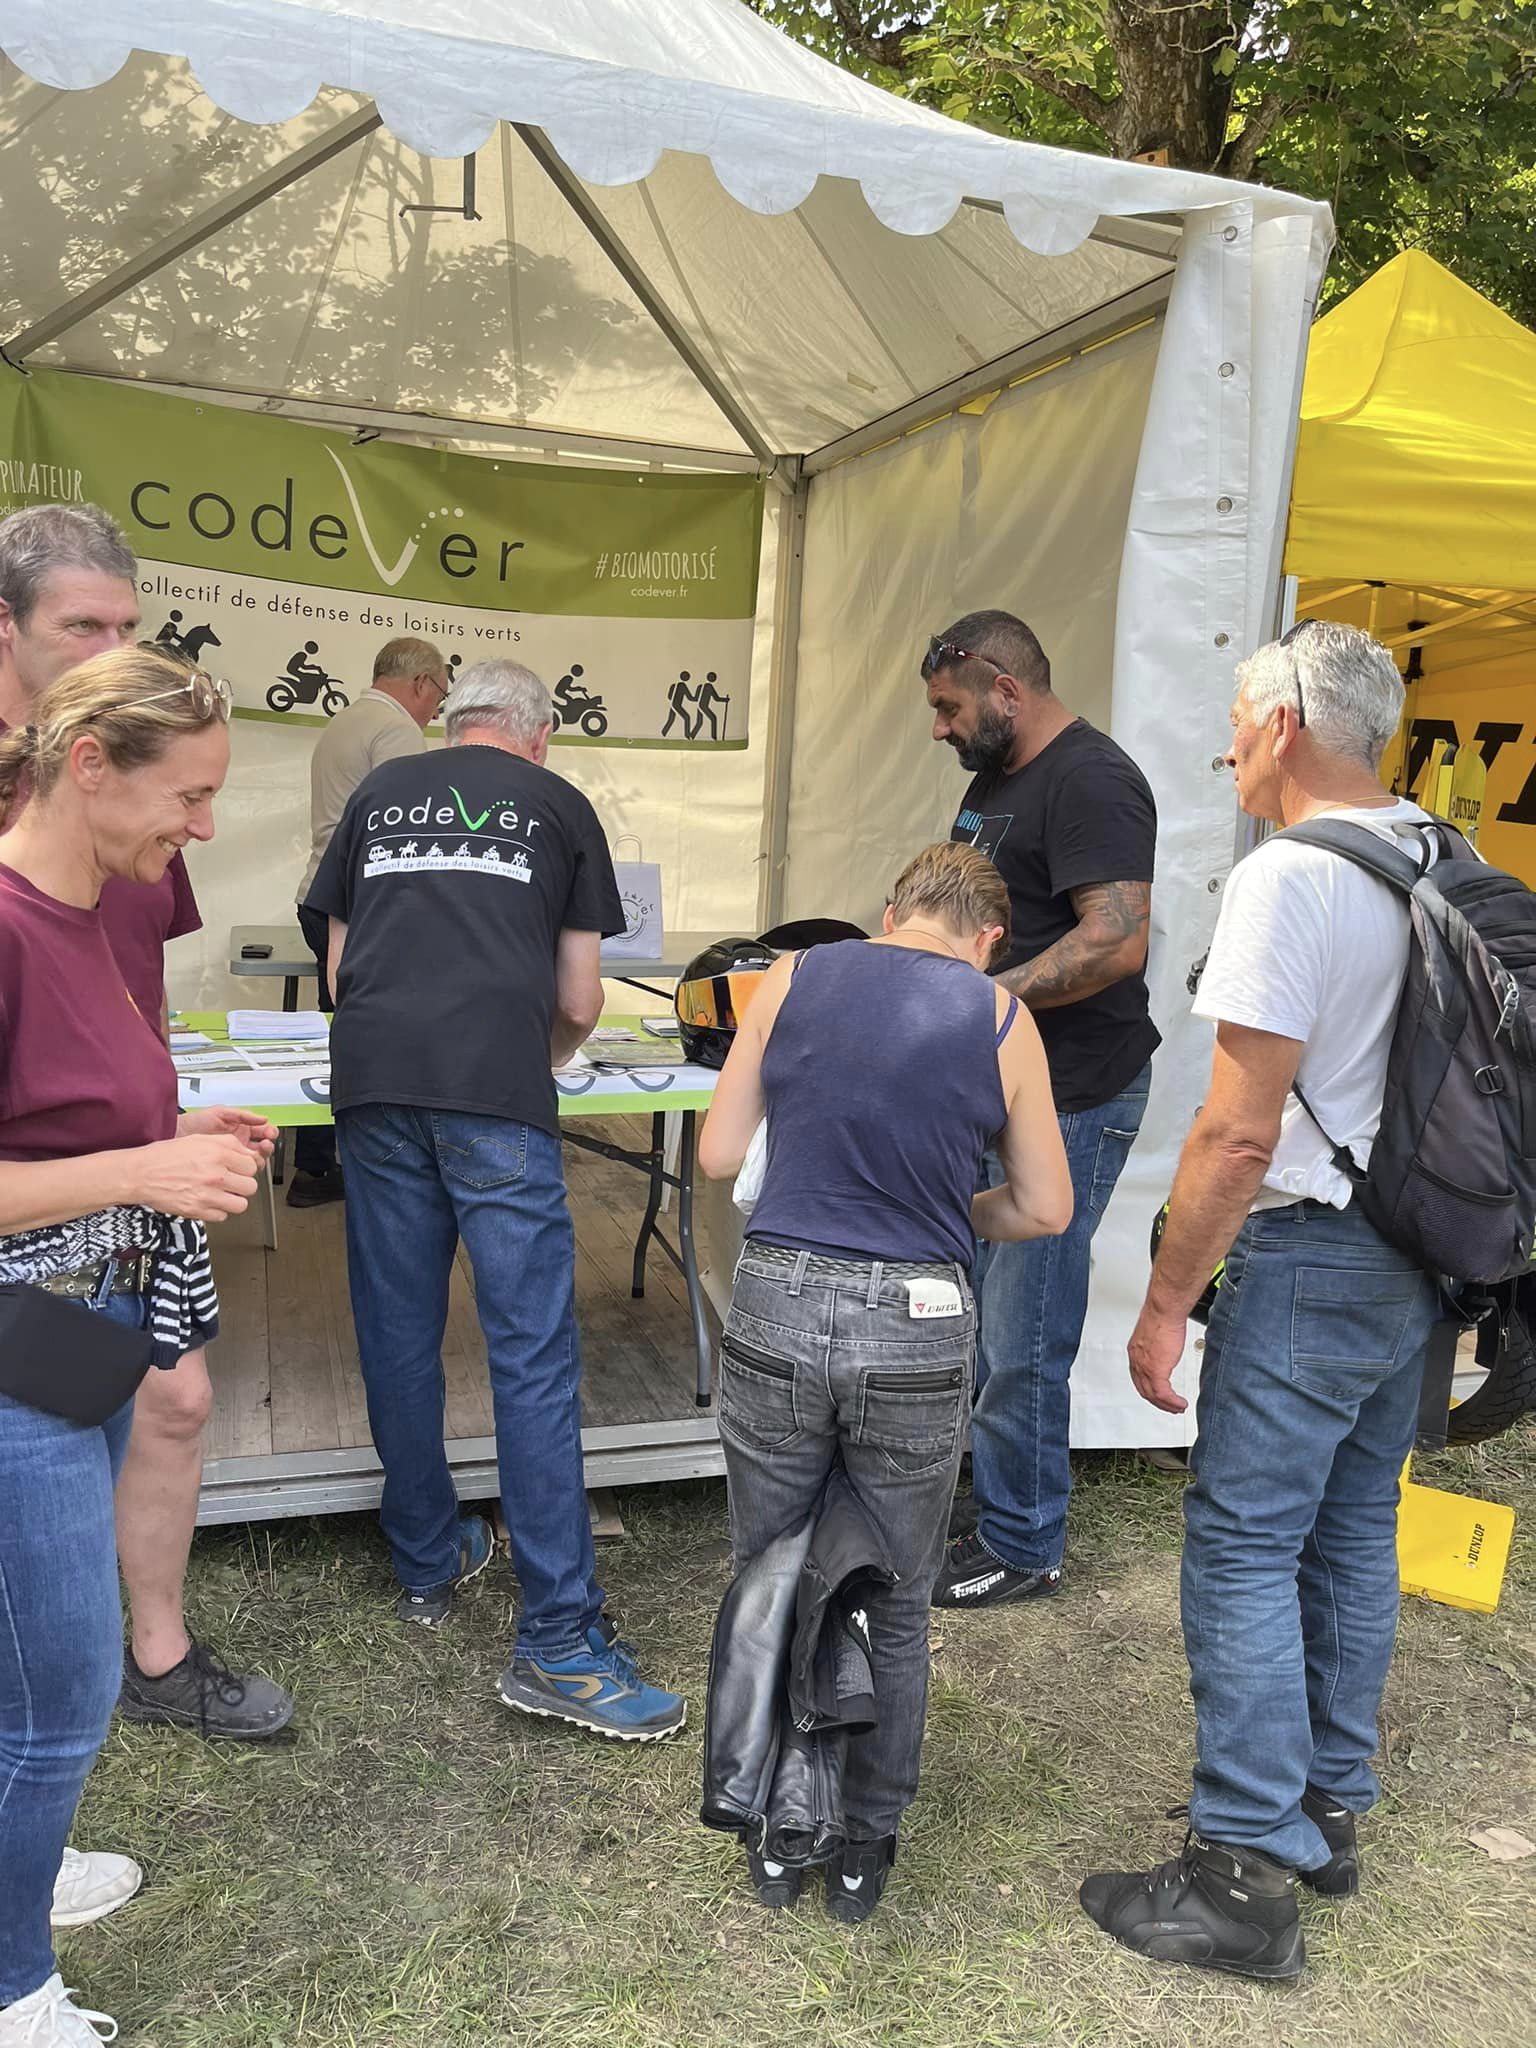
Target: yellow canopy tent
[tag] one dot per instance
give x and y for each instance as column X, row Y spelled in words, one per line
column 1413, row 513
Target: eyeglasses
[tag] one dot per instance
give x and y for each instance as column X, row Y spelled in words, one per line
column 211, row 695
column 944, row 653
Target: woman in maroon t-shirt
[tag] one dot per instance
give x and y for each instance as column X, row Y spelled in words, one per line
column 120, row 771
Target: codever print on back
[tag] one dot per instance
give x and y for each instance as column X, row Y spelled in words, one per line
column 417, row 845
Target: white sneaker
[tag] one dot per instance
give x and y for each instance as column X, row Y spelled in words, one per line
column 90, row 1887
column 48, row 2018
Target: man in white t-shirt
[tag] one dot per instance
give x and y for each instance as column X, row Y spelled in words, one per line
column 1309, row 1394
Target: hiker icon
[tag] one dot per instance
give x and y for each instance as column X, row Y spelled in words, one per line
column 694, row 708
column 576, row 705
column 304, row 680
column 190, row 641
column 708, row 698
column 681, row 699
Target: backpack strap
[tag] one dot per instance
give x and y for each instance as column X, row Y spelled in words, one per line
column 1400, row 871
column 1343, row 1158
column 1365, row 848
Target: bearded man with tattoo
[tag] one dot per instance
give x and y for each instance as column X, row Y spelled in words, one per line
column 1068, row 819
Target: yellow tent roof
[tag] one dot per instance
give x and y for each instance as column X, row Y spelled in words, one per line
column 1417, row 456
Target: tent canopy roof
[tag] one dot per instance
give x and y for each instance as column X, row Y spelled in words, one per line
column 691, row 231
column 1416, row 462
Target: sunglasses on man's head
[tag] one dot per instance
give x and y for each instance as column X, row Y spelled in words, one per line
column 944, row 654
column 211, row 695
column 1286, row 640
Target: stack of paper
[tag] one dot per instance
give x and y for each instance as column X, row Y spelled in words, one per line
column 291, row 1026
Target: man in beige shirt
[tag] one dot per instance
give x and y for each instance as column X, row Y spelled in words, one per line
column 410, row 681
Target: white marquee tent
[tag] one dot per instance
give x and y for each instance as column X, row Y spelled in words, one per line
column 975, row 372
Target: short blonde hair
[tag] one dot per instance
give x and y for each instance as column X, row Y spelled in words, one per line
column 134, row 700
column 958, row 885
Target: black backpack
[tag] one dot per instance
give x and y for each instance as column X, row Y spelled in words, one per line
column 1452, row 1178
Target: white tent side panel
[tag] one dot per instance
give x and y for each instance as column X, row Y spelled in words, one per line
column 1130, row 506
column 698, row 815
column 1023, row 507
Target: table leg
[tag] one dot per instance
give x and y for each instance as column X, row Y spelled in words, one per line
column 652, row 1204
column 290, row 991
column 277, row 1157
column 269, row 1178
column 703, row 1350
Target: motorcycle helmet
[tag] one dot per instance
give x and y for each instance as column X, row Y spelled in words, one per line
column 713, row 995
column 1201, row 1312
column 802, row 932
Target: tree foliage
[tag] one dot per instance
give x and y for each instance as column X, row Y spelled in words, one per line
column 1416, row 119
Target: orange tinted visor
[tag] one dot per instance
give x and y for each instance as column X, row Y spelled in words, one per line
column 718, row 1002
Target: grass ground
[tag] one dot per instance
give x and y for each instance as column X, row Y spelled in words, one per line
column 421, row 1867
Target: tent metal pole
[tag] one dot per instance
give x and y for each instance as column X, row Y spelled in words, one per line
column 201, row 228
column 1411, row 636
column 575, row 196
column 531, row 443
column 784, row 676
column 1144, row 302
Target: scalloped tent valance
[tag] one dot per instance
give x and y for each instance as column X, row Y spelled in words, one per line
column 613, row 83
column 816, row 253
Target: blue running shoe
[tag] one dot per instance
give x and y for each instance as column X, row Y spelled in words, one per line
column 432, row 1607
column 599, row 1688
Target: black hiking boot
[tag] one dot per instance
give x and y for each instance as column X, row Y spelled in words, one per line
column 1216, row 1906
column 1339, row 1877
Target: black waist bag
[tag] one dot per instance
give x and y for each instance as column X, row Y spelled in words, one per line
column 63, row 1358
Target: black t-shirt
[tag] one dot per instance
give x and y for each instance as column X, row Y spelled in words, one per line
column 1079, row 813
column 455, row 872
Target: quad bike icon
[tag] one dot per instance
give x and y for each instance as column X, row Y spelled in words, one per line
column 575, row 705
column 303, row 681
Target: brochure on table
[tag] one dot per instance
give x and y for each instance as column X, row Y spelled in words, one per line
column 278, row 1074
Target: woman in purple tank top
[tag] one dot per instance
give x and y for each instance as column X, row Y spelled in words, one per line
column 885, row 1069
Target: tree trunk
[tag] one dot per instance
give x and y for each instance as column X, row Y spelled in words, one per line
column 1171, row 97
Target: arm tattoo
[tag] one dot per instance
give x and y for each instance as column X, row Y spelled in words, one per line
column 1108, row 942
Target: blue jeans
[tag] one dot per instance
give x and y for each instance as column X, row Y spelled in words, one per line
column 417, row 1181
column 61, row 1651
column 823, row 1362
column 1309, row 1399
column 1034, row 1298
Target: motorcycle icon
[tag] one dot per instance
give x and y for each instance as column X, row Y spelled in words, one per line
column 575, row 705
column 303, row 681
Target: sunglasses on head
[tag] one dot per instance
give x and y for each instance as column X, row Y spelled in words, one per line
column 211, row 696
column 1286, row 640
column 944, row 653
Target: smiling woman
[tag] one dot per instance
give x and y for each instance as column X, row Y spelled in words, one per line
column 103, row 1196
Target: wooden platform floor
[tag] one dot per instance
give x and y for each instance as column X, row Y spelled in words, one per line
column 285, row 1371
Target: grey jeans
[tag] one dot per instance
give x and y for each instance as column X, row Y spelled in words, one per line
column 824, row 1360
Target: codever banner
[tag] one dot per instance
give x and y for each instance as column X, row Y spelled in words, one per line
column 281, row 556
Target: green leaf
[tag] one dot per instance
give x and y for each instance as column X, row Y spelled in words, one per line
column 1224, row 63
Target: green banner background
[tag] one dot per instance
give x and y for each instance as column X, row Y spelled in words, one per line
column 244, row 493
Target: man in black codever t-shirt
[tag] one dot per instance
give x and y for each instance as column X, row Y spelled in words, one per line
column 468, row 891
column 1069, row 821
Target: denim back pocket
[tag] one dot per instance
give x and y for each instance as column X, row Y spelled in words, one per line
column 480, row 1152
column 757, row 1396
column 1348, row 1324
column 911, row 1410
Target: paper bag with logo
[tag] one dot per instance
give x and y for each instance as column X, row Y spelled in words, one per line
column 640, row 892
